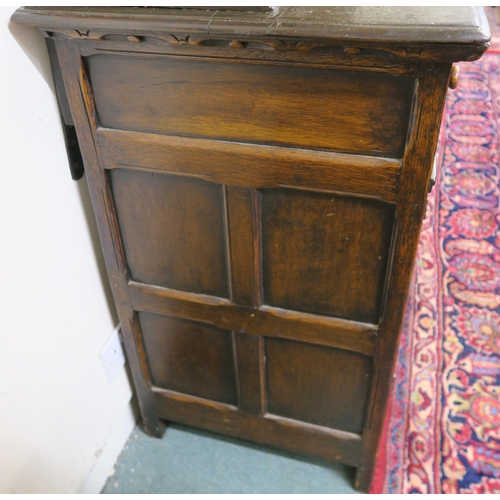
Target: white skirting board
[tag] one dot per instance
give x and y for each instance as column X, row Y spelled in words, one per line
column 97, row 478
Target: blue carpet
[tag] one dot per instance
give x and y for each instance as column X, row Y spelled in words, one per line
column 189, row 460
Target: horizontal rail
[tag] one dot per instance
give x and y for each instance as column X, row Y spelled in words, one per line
column 251, row 165
column 266, row 321
column 270, row 430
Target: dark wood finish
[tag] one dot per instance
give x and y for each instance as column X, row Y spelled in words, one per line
column 417, row 170
column 259, row 181
column 75, row 159
column 437, row 33
column 173, row 232
column 244, row 103
column 189, row 357
column 251, row 375
column 251, row 164
column 269, row 429
column 107, row 224
column 242, row 220
column 325, row 254
column 268, row 321
column 326, row 387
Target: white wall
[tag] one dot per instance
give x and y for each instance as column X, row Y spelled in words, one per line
column 57, row 410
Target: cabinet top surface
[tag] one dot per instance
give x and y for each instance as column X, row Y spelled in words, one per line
column 443, row 25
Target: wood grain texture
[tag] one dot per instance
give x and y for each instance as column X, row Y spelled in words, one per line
column 212, row 156
column 268, row 321
column 240, row 204
column 250, row 103
column 173, row 230
column 326, row 387
column 269, row 430
column 378, row 59
column 341, row 54
column 249, row 355
column 324, row 254
column 190, row 357
column 417, row 169
column 398, row 27
column 108, row 229
column 251, row 165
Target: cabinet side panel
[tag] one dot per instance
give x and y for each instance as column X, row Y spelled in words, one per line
column 325, row 254
column 190, row 357
column 173, row 230
column 304, row 107
column 318, row 385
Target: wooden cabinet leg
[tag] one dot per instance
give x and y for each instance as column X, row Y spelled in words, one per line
column 362, row 480
column 154, row 427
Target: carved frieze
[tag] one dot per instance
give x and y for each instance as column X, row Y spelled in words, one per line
column 236, row 43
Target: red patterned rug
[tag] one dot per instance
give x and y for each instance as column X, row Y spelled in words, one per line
column 443, row 425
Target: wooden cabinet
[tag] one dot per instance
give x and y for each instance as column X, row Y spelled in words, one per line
column 259, row 179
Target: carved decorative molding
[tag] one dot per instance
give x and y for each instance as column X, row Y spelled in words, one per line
column 318, row 46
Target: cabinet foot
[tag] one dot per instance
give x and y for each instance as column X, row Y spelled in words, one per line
column 362, row 480
column 154, row 427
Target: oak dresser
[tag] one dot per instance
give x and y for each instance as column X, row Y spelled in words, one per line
column 259, row 177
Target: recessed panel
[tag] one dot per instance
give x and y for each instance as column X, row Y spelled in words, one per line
column 295, row 106
column 325, row 254
column 190, row 357
column 173, row 230
column 318, row 385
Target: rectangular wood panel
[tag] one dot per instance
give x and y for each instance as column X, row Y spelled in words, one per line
column 325, row 254
column 318, row 385
column 293, row 106
column 173, row 230
column 190, row 357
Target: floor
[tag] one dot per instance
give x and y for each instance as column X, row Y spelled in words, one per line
column 188, row 460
